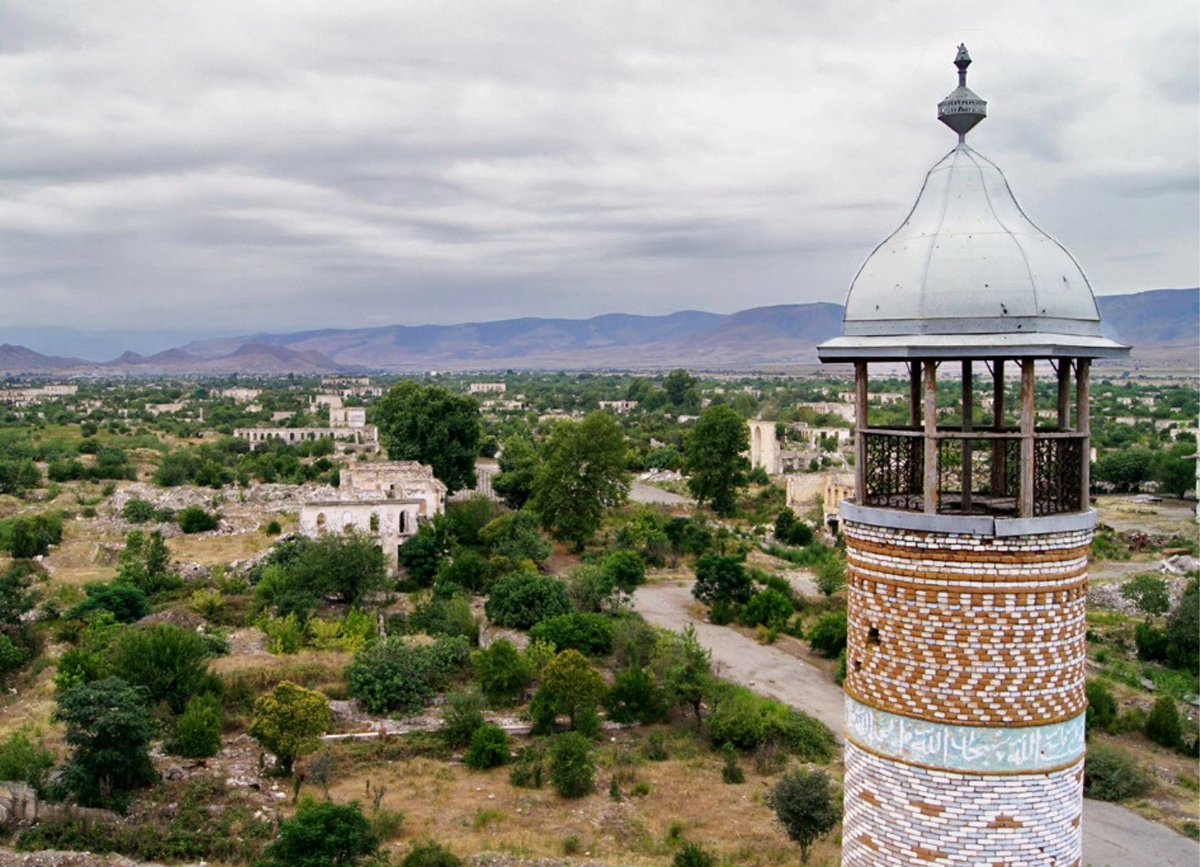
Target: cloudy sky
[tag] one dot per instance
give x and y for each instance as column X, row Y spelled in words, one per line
column 235, row 166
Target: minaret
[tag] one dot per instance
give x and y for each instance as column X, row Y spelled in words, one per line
column 967, row 538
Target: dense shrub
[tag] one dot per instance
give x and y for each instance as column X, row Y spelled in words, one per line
column 447, row 616
column 692, row 855
column 1102, row 706
column 125, row 601
column 462, row 715
column 428, row 853
column 721, row 579
column 489, row 748
column 194, row 519
column 1152, row 643
column 748, row 721
column 770, row 608
column 169, row 662
column 805, row 805
column 1163, row 725
column 521, row 600
column 24, row 761
column 789, row 530
column 636, row 696
column 323, row 833
column 828, row 635
column 1111, row 774
column 394, row 676
column 29, row 536
column 137, row 511
column 572, row 686
column 588, row 633
column 502, row 671
column 626, row 569
column 289, row 721
column 1149, row 593
column 572, row 771
column 1183, row 630
column 422, row 555
column 198, row 729
column 299, row 572
column 467, row 570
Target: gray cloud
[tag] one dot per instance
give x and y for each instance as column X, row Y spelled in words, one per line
column 265, row 166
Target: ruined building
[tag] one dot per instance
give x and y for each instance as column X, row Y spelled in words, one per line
column 967, row 541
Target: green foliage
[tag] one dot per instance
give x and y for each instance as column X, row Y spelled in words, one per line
column 831, row 575
column 453, row 616
column 731, row 769
column 462, row 715
column 28, row 536
column 502, row 671
column 636, row 696
column 434, row 426
column 322, row 834
column 137, row 511
column 392, row 675
column 625, row 569
column 633, row 641
column 1126, row 469
column 1152, row 643
column 300, row 572
column 769, row 607
column 24, row 761
column 1183, row 630
column 1102, row 706
column 525, row 598
column 198, row 729
column 805, row 805
column 428, row 853
column 1163, row 725
column 289, row 722
column 422, row 555
column 1111, row 774
column 285, row 635
column 685, row 669
column 573, row 685
column 722, row 578
column 18, row 476
column 1148, row 593
column 273, row 528
column 489, row 748
column 466, row 570
column 1175, row 469
column 145, row 563
column 349, row 634
column 169, row 662
column 591, row 589
column 194, row 519
column 529, row 771
column 828, row 635
column 682, row 391
column 748, row 721
column 715, row 458
column 572, row 770
column 517, row 537
column 582, row 473
column 588, row 633
column 789, row 530
column 693, row 855
column 518, row 470
column 109, row 725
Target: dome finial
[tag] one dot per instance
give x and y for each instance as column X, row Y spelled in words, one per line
column 962, row 109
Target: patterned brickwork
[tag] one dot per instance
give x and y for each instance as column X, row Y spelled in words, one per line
column 901, row 814
column 969, row 629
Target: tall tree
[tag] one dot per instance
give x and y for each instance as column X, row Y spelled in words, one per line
column 805, row 805
column 518, row 469
column 716, row 463
column 432, row 425
column 682, row 390
column 582, row 474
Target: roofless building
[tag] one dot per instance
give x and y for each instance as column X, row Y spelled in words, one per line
column 967, row 538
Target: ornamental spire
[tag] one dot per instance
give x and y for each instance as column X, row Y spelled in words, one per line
column 962, row 109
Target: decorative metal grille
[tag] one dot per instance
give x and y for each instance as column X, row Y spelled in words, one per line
column 1057, row 475
column 894, row 471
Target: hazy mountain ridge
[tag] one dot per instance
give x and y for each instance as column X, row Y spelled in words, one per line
column 1161, row 324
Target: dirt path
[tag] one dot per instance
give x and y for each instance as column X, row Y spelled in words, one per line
column 1112, row 835
column 640, row 492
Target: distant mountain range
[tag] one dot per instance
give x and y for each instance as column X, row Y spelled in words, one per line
column 1163, row 325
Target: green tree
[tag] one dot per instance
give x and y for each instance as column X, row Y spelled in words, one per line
column 626, row 569
column 109, row 725
column 23, row 760
column 394, row 675
column 145, row 563
column 682, row 390
column 716, row 462
column 1126, row 469
column 1163, row 725
column 1101, row 706
column 169, row 662
column 804, row 804
column 685, row 668
column 462, row 715
column 194, row 519
column 572, row 770
column 198, row 730
column 423, row 553
column 1149, row 593
column 573, row 685
column 489, row 748
column 790, row 530
column 323, row 834
column 432, row 425
column 289, row 722
column 1175, row 469
column 1183, row 630
column 517, row 537
column 722, row 579
column 502, row 671
column 582, row 474
column 525, row 598
column 518, row 468
column 429, row 853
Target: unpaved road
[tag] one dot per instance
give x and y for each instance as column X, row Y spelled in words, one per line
column 1112, row 835
column 640, row 492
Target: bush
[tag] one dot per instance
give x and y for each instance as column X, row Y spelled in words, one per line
column 521, row 600
column 442, row 616
column 571, row 685
column 462, row 716
column 1102, row 706
column 748, row 721
column 1149, row 593
column 529, row 770
column 289, row 722
column 692, row 855
column 721, row 579
column 489, row 748
column 323, row 833
column 502, row 671
column 770, row 608
column 572, row 771
column 285, row 635
column 392, row 675
column 1152, row 643
column 625, row 569
column 1111, row 774
column 635, row 696
column 138, row 511
column 430, row 854
column 588, row 633
column 198, row 729
column 828, row 635
column 1163, row 726
column 194, row 519
column 24, row 761
column 791, row 531
column 169, row 662
column 804, row 804
column 1183, row 630
column 633, row 641
column 273, row 528
column 731, row 771
column 126, row 602
column 30, row 536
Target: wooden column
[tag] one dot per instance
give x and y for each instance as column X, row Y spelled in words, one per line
column 968, row 424
column 1025, row 498
column 860, row 435
column 997, row 424
column 1064, row 394
column 1083, row 424
column 931, row 443
column 914, row 393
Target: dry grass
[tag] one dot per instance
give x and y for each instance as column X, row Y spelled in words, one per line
column 478, row 812
column 218, row 550
column 1173, row 799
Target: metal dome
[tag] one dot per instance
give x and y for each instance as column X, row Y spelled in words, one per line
column 968, row 273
